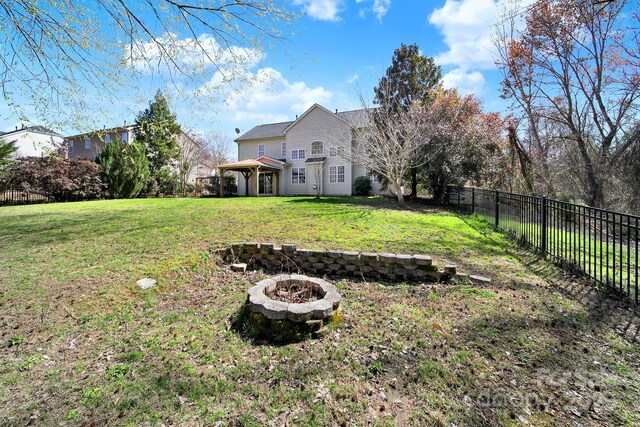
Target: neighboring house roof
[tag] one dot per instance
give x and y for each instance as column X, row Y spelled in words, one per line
column 34, row 129
column 355, row 118
column 101, row 131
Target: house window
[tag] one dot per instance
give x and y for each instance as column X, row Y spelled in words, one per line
column 297, row 154
column 336, row 174
column 298, row 175
column 124, row 136
column 283, row 150
column 260, row 150
column 371, row 174
column 317, row 148
column 71, row 146
column 107, row 139
column 87, row 143
column 336, row 151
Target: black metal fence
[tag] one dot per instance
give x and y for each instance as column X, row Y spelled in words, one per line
column 597, row 242
column 18, row 197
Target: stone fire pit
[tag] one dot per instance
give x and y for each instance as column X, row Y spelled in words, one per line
column 288, row 306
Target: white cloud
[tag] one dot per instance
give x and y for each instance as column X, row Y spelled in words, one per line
column 466, row 26
column 465, row 82
column 353, row 78
column 322, row 10
column 275, row 98
column 379, row 8
column 191, row 55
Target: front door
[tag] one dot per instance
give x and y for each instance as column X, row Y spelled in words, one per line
column 265, row 183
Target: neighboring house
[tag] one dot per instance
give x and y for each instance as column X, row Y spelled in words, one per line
column 300, row 157
column 35, row 141
column 89, row 145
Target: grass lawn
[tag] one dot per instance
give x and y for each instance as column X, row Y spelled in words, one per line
column 80, row 344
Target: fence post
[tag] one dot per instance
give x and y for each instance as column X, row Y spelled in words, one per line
column 473, row 199
column 497, row 222
column 543, row 226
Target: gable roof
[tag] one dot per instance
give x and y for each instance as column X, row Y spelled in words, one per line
column 355, row 118
column 270, row 130
column 34, row 129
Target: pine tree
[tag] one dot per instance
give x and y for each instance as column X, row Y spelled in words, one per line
column 125, row 168
column 157, row 130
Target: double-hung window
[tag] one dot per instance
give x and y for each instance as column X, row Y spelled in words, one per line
column 336, row 174
column 317, row 148
column 260, row 150
column 87, row 143
column 283, row 150
column 124, row 136
column 71, row 146
column 297, row 154
column 107, row 139
column 298, row 175
column 336, row 152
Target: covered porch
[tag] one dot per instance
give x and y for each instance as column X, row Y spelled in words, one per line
column 262, row 175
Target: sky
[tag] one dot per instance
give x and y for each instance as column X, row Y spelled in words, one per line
column 334, row 53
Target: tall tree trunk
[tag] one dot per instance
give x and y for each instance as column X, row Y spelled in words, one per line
column 398, row 191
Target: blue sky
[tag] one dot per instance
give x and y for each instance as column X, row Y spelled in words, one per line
column 337, row 50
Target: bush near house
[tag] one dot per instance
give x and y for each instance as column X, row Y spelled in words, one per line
column 362, row 186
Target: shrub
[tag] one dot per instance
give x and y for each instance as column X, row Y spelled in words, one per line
column 362, row 186
column 125, row 168
column 60, row 180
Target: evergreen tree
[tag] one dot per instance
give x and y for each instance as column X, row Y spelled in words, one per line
column 6, row 151
column 125, row 168
column 157, row 130
column 410, row 79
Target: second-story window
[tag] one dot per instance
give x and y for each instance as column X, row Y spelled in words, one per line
column 125, row 137
column 71, row 146
column 87, row 143
column 297, row 154
column 107, row 138
column 261, row 150
column 283, row 150
column 317, row 148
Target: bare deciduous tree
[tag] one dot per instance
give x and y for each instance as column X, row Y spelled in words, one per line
column 194, row 154
column 388, row 144
column 572, row 72
column 53, row 50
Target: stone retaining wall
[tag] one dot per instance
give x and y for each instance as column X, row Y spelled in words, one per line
column 290, row 259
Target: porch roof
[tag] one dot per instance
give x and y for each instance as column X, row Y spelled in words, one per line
column 262, row 162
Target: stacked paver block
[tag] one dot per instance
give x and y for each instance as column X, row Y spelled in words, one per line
column 288, row 258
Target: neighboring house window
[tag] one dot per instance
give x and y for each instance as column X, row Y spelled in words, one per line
column 297, row 154
column 87, row 143
column 283, row 150
column 336, row 174
column 336, row 151
column 298, row 175
column 124, row 136
column 71, row 146
column 261, row 150
column 107, row 139
column 317, row 147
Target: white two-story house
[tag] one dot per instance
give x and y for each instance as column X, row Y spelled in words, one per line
column 301, row 157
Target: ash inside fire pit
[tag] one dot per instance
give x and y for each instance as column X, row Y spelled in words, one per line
column 295, row 292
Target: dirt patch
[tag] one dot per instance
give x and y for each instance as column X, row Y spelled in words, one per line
column 295, row 292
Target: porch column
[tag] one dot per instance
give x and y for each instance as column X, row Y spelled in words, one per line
column 276, row 179
column 257, row 181
column 221, row 185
